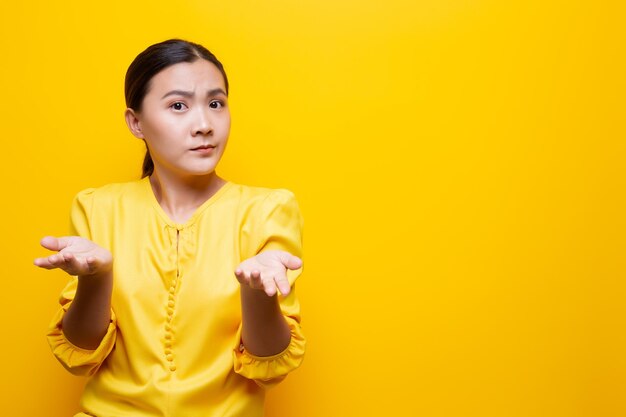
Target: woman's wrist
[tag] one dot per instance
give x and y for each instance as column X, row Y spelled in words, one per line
column 265, row 331
column 258, row 296
column 99, row 277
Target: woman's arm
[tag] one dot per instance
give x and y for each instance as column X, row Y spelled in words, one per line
column 88, row 317
column 264, row 329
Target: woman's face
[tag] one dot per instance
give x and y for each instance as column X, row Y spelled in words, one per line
column 184, row 118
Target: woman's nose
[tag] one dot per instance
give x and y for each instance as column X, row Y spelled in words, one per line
column 202, row 123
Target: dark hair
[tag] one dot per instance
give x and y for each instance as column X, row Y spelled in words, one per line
column 150, row 62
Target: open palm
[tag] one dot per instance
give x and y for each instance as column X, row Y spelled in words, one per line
column 75, row 255
column 267, row 271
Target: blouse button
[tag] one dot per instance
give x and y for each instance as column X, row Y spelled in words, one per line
column 172, row 368
column 169, row 357
column 170, row 311
column 168, row 336
column 168, row 344
column 170, row 303
column 172, row 290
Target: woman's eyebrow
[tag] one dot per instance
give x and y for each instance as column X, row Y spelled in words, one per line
column 215, row 92
column 210, row 93
column 178, row 93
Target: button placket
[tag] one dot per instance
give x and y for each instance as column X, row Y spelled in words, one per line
column 169, row 330
column 170, row 308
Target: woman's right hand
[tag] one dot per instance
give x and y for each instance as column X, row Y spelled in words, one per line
column 76, row 256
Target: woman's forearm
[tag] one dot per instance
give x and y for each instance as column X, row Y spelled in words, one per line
column 89, row 315
column 264, row 330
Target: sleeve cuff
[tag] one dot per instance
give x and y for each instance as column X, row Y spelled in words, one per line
column 77, row 360
column 270, row 370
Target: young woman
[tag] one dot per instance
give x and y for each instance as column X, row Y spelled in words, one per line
column 182, row 298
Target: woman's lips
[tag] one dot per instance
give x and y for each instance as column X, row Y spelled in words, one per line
column 205, row 150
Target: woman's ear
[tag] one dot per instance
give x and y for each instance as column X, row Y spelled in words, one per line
column 133, row 123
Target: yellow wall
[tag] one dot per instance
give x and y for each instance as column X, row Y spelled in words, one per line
column 459, row 163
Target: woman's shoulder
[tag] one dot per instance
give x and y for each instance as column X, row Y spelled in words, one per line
column 112, row 191
column 257, row 195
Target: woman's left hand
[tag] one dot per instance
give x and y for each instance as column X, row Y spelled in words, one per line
column 267, row 271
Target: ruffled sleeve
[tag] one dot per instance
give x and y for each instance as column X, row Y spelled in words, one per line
column 278, row 227
column 75, row 359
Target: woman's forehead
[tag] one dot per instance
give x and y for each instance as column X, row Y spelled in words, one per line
column 188, row 76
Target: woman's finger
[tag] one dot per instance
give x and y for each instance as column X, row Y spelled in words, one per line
column 255, row 280
column 269, row 286
column 44, row 263
column 241, row 277
column 50, row 262
column 290, row 261
column 56, row 259
column 93, row 264
column 75, row 266
column 283, row 284
column 54, row 243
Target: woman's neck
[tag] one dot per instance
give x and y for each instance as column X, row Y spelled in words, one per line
column 180, row 197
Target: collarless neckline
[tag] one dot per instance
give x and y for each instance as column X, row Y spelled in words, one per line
column 179, row 226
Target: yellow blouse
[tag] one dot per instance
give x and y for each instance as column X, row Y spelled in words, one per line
column 173, row 347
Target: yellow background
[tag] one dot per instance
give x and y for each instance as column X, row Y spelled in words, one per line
column 459, row 164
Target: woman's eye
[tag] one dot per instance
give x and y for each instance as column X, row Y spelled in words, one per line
column 216, row 104
column 178, row 106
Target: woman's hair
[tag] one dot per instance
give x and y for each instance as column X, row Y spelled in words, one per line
column 150, row 62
